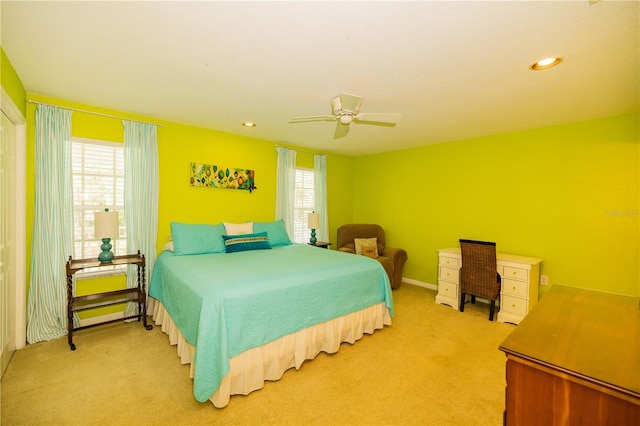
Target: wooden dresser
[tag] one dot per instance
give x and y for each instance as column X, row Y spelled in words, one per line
column 575, row 360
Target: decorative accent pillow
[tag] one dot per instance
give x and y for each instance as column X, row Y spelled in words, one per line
column 197, row 238
column 235, row 243
column 275, row 230
column 169, row 245
column 367, row 247
column 238, row 228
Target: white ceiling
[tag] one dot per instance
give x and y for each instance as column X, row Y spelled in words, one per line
column 453, row 69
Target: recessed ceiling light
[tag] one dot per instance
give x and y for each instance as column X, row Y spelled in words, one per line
column 249, row 124
column 546, row 63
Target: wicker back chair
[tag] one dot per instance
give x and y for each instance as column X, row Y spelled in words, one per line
column 479, row 273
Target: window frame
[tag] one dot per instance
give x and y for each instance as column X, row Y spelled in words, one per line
column 304, row 203
column 83, row 232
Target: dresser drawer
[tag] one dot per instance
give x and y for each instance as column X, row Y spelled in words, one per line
column 447, row 289
column 514, row 305
column 449, row 274
column 449, row 262
column 515, row 288
column 515, row 273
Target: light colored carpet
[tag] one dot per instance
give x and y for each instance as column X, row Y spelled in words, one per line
column 433, row 366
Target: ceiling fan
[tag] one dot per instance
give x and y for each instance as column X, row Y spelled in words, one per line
column 346, row 109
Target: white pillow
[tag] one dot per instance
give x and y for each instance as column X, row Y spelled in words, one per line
column 168, row 246
column 238, row 228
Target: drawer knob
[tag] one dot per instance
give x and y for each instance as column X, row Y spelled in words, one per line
column 514, row 272
column 514, row 287
column 513, row 306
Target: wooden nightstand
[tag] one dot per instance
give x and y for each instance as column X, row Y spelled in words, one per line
column 81, row 303
column 320, row 244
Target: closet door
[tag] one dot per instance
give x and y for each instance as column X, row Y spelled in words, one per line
column 7, row 240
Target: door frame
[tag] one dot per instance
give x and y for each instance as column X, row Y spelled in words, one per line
column 14, row 114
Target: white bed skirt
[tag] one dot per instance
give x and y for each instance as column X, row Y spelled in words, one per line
column 250, row 369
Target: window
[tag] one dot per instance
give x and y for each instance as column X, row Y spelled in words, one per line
column 98, row 183
column 303, row 204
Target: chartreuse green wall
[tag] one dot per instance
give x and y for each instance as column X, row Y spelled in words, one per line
column 179, row 145
column 11, row 83
column 568, row 194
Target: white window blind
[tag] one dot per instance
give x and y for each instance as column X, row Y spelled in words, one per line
column 98, row 183
column 303, row 204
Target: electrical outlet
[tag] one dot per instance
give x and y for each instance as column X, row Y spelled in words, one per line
column 544, row 280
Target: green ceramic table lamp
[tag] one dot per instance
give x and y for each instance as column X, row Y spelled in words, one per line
column 313, row 223
column 106, row 227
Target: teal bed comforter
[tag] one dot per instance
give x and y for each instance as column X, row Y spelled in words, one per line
column 227, row 303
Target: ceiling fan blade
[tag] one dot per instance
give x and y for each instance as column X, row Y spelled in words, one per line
column 314, row 118
column 379, row 117
column 336, row 105
column 350, row 102
column 341, row 130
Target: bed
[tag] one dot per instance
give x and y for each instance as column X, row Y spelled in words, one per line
column 242, row 317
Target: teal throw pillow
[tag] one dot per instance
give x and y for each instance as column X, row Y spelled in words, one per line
column 275, row 231
column 256, row 241
column 197, row 238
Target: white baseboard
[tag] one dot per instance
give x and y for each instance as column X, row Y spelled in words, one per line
column 420, row 283
column 102, row 318
column 435, row 287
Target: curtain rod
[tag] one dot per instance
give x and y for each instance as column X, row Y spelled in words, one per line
column 300, row 150
column 95, row 113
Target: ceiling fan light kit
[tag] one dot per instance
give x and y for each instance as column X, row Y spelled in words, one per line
column 346, row 119
column 346, row 109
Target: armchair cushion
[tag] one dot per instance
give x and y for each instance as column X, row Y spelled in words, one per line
column 347, row 250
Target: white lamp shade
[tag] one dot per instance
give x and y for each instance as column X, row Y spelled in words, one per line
column 313, row 220
column 106, row 225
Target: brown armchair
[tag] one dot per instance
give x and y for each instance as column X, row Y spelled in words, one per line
column 392, row 259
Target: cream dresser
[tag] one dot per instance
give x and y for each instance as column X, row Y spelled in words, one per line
column 519, row 291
